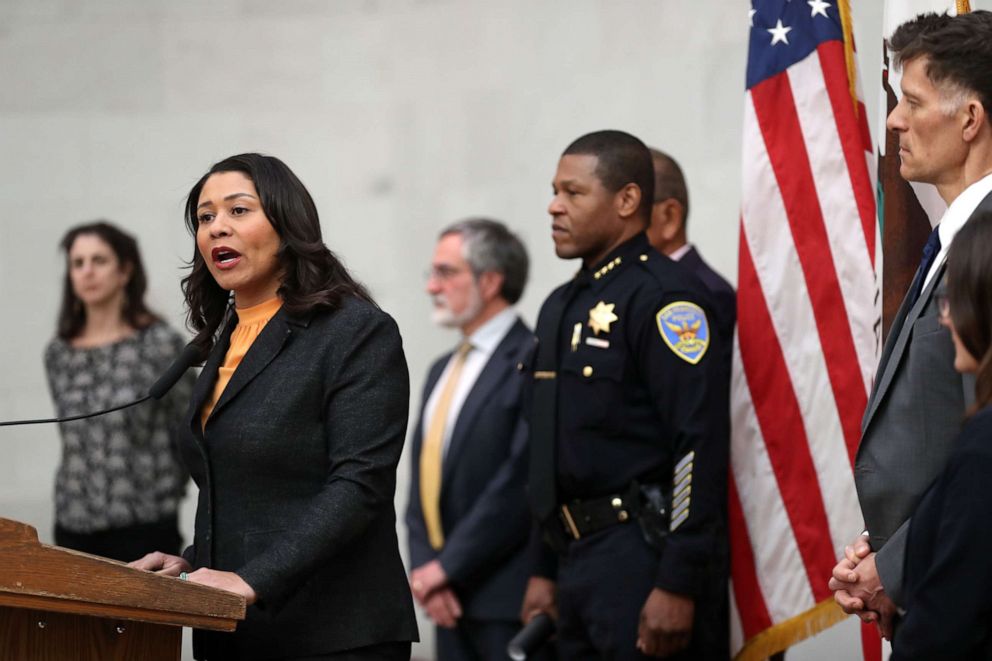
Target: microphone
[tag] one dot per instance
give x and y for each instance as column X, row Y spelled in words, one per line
column 529, row 639
column 187, row 358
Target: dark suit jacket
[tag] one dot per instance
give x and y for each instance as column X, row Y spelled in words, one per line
column 297, row 471
column 916, row 406
column 948, row 573
column 484, row 509
column 914, row 411
column 723, row 294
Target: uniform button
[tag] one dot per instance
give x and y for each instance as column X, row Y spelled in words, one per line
column 617, row 503
column 644, row 258
column 622, row 515
column 520, row 367
column 587, row 371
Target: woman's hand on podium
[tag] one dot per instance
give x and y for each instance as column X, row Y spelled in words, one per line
column 174, row 565
column 224, row 580
column 162, row 563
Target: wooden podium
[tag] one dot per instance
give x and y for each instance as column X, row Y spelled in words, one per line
column 57, row 604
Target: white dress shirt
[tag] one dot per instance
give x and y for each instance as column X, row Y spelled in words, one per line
column 955, row 217
column 484, row 342
column 680, row 252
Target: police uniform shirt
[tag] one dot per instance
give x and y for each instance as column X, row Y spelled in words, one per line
column 637, row 380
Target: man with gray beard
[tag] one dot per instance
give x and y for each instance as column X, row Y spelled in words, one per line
column 468, row 516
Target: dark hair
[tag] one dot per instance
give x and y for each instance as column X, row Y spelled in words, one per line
column 969, row 293
column 958, row 49
column 312, row 276
column 72, row 312
column 490, row 246
column 621, row 159
column 669, row 182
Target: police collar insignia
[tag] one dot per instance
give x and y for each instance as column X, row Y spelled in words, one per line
column 601, row 316
column 685, row 330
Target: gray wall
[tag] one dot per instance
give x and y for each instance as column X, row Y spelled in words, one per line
column 399, row 116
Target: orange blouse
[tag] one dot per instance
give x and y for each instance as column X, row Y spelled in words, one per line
column 251, row 321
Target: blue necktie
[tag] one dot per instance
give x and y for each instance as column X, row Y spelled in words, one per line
column 930, row 251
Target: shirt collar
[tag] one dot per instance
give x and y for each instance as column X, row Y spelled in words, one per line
column 680, row 252
column 961, row 208
column 488, row 336
column 624, row 254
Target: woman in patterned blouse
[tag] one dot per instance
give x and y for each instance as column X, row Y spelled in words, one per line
column 120, row 481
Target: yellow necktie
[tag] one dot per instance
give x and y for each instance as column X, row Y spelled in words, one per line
column 432, row 452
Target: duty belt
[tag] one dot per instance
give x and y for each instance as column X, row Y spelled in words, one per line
column 582, row 517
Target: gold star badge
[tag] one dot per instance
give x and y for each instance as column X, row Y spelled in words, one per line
column 601, row 316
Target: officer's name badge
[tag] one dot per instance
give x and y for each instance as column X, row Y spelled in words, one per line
column 598, row 342
column 685, row 330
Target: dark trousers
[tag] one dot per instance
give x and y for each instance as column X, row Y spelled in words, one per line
column 125, row 544
column 603, row 582
column 381, row 652
column 399, row 651
column 480, row 640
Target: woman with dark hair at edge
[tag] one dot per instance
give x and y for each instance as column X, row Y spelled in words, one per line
column 120, row 481
column 294, row 430
column 949, row 551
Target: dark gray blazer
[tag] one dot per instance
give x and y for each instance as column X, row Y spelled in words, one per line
column 297, row 471
column 915, row 410
column 723, row 294
column 484, row 510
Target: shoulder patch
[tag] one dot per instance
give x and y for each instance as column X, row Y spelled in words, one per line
column 684, row 328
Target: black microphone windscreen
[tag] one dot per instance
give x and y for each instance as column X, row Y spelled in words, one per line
column 189, row 357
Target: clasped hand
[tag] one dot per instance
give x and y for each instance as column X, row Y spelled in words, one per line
column 173, row 565
column 429, row 584
column 858, row 589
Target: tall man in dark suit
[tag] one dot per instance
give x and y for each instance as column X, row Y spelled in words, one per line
column 667, row 233
column 468, row 516
column 918, row 400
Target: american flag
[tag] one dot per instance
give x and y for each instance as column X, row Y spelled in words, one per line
column 808, row 321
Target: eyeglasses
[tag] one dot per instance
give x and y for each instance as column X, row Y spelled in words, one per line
column 943, row 303
column 442, row 272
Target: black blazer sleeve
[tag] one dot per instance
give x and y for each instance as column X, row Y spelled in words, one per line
column 366, row 400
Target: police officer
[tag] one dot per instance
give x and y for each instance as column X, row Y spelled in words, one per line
column 628, row 465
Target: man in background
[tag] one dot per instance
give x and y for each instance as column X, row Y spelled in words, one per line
column 667, row 233
column 468, row 518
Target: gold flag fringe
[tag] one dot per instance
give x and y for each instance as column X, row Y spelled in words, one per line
column 964, row 6
column 852, row 67
column 787, row 633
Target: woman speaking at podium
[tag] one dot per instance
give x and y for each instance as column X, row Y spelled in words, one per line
column 294, row 430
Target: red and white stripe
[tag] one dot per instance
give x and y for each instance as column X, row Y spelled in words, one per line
column 807, row 339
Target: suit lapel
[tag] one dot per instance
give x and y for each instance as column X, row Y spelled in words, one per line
column 892, row 355
column 432, row 378
column 208, row 377
column 266, row 346
column 493, row 374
